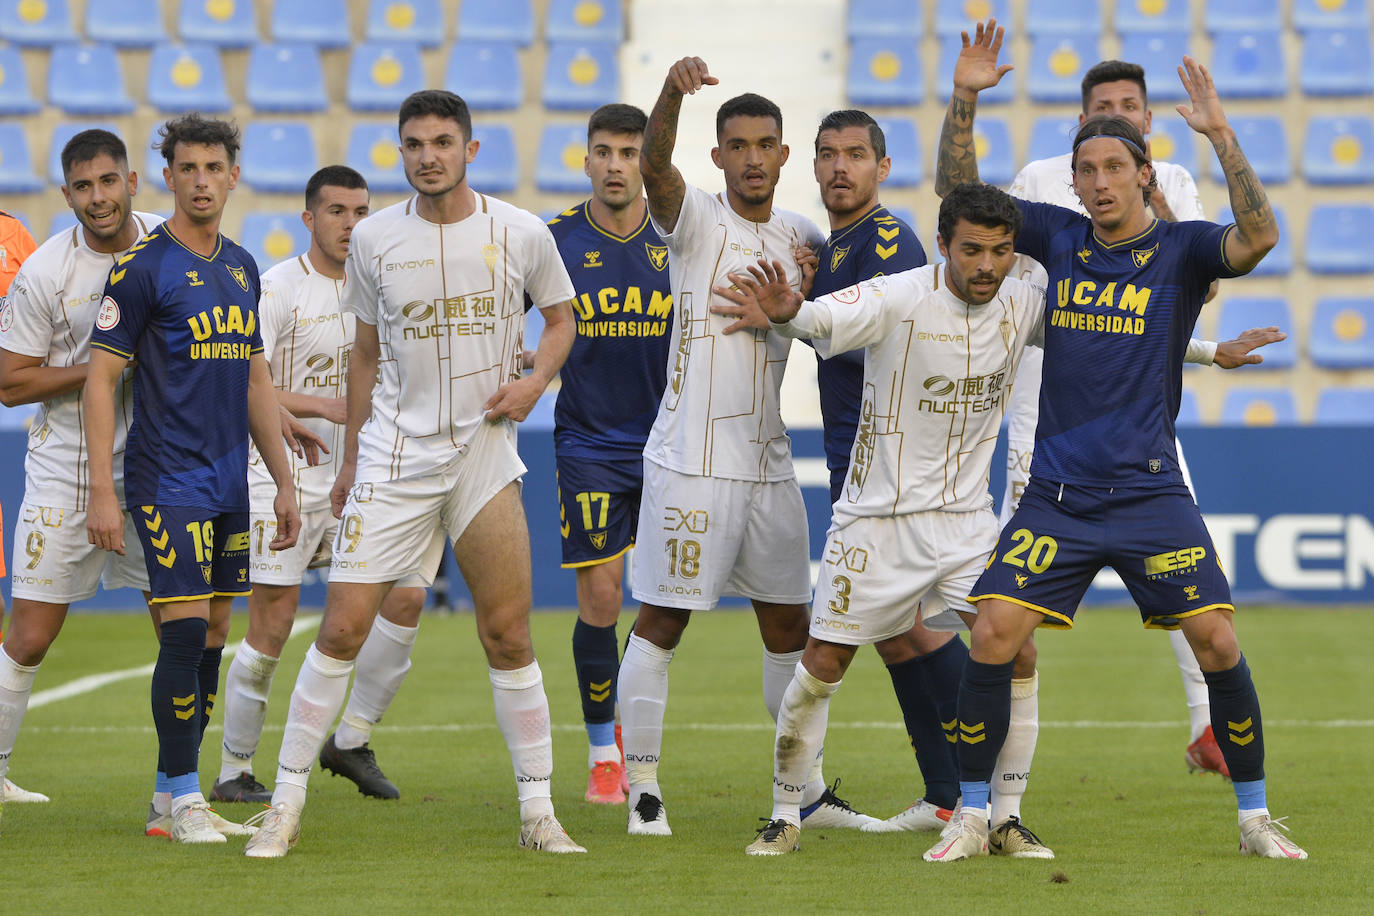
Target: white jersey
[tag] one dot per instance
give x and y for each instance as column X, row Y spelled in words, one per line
column 448, row 302
column 306, row 338
column 719, row 415
column 50, row 312
column 936, row 376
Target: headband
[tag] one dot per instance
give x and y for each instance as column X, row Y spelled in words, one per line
column 1144, row 155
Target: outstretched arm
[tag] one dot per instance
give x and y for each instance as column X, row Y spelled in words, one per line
column 975, row 70
column 662, row 181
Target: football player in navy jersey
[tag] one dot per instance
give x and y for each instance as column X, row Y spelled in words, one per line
column 611, row 387
column 1105, row 490
column 183, row 302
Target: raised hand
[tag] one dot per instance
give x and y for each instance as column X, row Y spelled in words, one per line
column 1205, row 115
column 763, row 291
column 688, row 75
column 1232, row 354
column 976, row 68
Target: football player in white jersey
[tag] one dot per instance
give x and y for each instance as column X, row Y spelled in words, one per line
column 437, row 284
column 307, row 338
column 722, row 512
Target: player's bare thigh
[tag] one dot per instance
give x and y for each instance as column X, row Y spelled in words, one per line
column 271, row 612
column 493, row 554
column 349, row 610
column 33, row 628
column 782, row 627
column 919, row 640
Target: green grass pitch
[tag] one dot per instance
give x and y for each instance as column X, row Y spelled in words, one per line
column 1134, row 832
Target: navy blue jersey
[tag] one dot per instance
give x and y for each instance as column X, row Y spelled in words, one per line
column 192, row 322
column 614, row 377
column 1118, row 318
column 879, row 243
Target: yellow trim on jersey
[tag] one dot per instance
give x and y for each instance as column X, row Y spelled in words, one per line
column 1150, row 624
column 182, row 598
column 1053, row 619
column 599, row 561
column 854, row 225
column 233, row 594
column 117, row 352
column 587, row 210
column 1225, row 260
column 1153, row 224
column 219, row 245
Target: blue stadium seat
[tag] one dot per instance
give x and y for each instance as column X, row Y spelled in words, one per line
column 15, row 96
column 187, row 77
column 496, row 170
column 1188, row 412
column 1249, row 65
column 1265, row 145
column 1003, row 92
column 1342, row 335
column 373, row 149
column 317, row 22
column 125, row 23
column 1242, row 313
column 226, row 23
column 273, row 237
column 278, row 156
column 1259, row 407
column 581, row 75
column 16, row 165
column 584, row 20
column 1336, row 62
column 62, row 220
column 63, row 132
column 496, row 20
column 286, row 77
column 1338, row 151
column 1242, row 15
column 884, row 72
column 1330, row 14
column 487, row 74
column 885, row 19
column 996, row 158
column 1152, row 16
column 382, row 74
column 1172, row 140
column 904, row 149
column 954, row 16
column 420, row 21
column 1344, row 407
column 562, row 153
column 1340, row 239
column 1279, row 261
column 27, row 23
column 88, row 79
column 1063, row 17
column 1160, row 53
column 1057, row 66
column 1051, row 136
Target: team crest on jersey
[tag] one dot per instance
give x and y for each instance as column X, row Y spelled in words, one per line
column 193, row 278
column 1021, row 580
column 849, row 295
column 592, row 259
column 1155, row 465
column 205, row 572
column 1005, row 328
column 836, row 257
column 240, row 276
column 1084, row 255
column 1142, row 258
column 6, row 316
column 489, row 253
column 598, row 540
column 658, row 255
column 108, row 316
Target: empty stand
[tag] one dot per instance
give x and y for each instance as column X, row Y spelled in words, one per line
column 1344, row 407
column 1160, row 54
column 125, row 23
column 496, row 20
column 1340, row 239
column 1266, row 146
column 1134, row 16
column 1259, row 407
column 884, row 71
column 1336, row 62
column 992, row 143
column 1188, row 412
column 420, row 21
column 904, row 149
column 1242, row 15
column 562, row 154
column 319, row 22
column 487, row 74
column 25, row 22
column 1057, row 66
column 1279, row 261
column 1051, row 136
column 1240, row 313
column 374, row 150
column 581, row 75
column 15, row 96
column 226, row 23
column 187, row 77
column 954, row 16
column 16, row 164
column 1339, row 151
column 286, row 77
column 1249, row 64
column 273, row 237
column 1171, row 140
column 88, row 80
column 1330, row 14
column 1342, row 334
column 1063, row 17
column 382, row 74
column 496, row 170
column 584, row 20
column 278, row 156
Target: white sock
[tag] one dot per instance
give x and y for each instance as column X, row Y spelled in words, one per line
column 607, row 754
column 1014, row 761
column 522, row 712
column 383, row 662
column 802, row 721
column 162, row 803
column 778, row 669
column 642, row 691
column 246, row 688
column 1246, row 813
column 1194, row 687
column 181, row 802
column 16, row 683
column 315, row 703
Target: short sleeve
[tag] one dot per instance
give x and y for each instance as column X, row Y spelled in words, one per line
column 26, row 320
column 1020, row 185
column 360, row 288
column 1039, row 224
column 695, row 209
column 546, row 277
column 125, row 310
column 1205, row 244
column 274, row 308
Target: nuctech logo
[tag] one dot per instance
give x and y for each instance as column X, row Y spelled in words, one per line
column 322, row 372
column 455, row 316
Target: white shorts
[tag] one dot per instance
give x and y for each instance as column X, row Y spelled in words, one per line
column 313, row 550
column 56, row 564
column 875, row 572
column 392, row 530
column 703, row 537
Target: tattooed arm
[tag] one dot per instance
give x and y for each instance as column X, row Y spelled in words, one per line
column 1256, row 229
column 975, row 70
column 662, row 181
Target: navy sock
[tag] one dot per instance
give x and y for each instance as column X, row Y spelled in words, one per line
column 937, row 765
column 208, row 680
column 943, row 671
column 176, row 692
column 1236, row 721
column 984, row 711
column 596, row 657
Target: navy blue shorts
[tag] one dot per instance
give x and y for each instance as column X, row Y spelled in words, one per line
column 598, row 508
column 193, row 553
column 1059, row 538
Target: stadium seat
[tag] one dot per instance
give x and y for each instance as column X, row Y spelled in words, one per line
column 187, row 77
column 1051, row 136
column 27, row 23
column 1259, row 407
column 1188, row 412
column 584, row 20
column 496, row 20
column 1344, row 407
column 955, row 16
column 125, row 23
column 420, row 21
column 890, row 19
column 1240, row 313
column 373, row 149
column 1340, row 239
column 1279, row 261
column 317, row 22
column 1249, row 65
column 992, row 143
column 1063, row 17
column 63, row 132
column 1151, row 16
column 581, row 75
column 382, row 74
column 16, row 165
column 278, row 156
column 273, row 237
column 1003, row 92
column 1338, row 151
column 62, row 220
column 15, row 96
column 286, row 77
column 496, row 170
column 1172, row 140
column 226, row 23
column 1242, row 15
column 1266, row 146
column 1057, row 66
column 1330, row 14
column 562, row 153
column 1342, row 334
column 487, row 74
column 904, row 149
column 88, row 79
column 1160, row 54
column 1336, row 62
column 884, row 72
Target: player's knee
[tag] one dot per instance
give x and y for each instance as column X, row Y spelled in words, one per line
column 783, row 627
column 342, row 635
column 1214, row 643
column 404, row 606
column 1023, row 665
column 895, row 651
column 506, row 641
column 661, row 626
column 31, row 634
